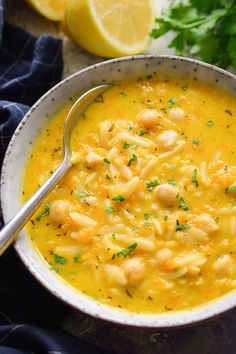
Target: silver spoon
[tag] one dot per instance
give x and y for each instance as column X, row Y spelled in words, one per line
column 10, row 231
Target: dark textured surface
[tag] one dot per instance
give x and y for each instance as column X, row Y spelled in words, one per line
column 215, row 337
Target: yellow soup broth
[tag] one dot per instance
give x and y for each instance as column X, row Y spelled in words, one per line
column 145, row 220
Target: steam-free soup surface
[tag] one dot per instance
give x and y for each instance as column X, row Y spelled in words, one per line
column 145, row 220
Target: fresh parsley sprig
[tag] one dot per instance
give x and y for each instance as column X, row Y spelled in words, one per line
column 202, row 29
column 125, row 251
column 45, row 212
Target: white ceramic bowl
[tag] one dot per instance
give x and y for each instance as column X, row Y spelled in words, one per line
column 19, row 149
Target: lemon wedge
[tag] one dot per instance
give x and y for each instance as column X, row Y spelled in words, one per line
column 51, row 9
column 110, row 28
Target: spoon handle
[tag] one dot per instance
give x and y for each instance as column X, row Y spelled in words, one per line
column 9, row 232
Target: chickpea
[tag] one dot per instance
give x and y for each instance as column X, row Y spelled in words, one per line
column 163, row 255
column 166, row 194
column 167, row 139
column 59, row 211
column 176, row 113
column 134, row 270
column 206, row 223
column 148, row 117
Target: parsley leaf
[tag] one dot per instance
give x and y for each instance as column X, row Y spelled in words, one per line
column 152, row 184
column 125, row 251
column 171, row 182
column 194, row 177
column 126, row 146
column 53, row 268
column 182, row 227
column 45, row 212
column 106, row 160
column 143, row 132
column 184, row 88
column 59, row 259
column 210, row 123
column 133, row 159
column 147, row 224
column 231, row 189
column 110, row 210
column 195, row 141
column 183, row 205
column 119, row 198
column 147, row 216
column 81, row 193
column 202, row 29
column 76, row 259
column 172, row 101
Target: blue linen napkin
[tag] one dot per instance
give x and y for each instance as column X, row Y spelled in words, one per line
column 29, row 66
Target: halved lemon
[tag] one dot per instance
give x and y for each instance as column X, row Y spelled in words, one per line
column 110, row 28
column 51, row 9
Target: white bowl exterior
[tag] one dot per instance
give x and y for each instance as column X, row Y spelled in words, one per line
column 19, row 150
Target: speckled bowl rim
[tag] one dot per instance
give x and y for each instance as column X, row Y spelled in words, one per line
column 175, row 319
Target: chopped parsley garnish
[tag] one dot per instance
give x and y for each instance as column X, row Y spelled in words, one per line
column 123, row 93
column 184, row 88
column 231, row 189
column 59, row 259
column 106, row 160
column 165, row 217
column 194, row 177
column 182, row 227
column 118, row 198
column 172, row 101
column 113, row 236
column 107, row 176
column 110, row 210
column 143, row 132
column 210, row 123
column 126, row 146
column 81, row 193
column 171, row 182
column 183, row 205
column 147, row 224
column 195, row 141
column 125, row 251
column 45, row 212
column 147, row 216
column 152, row 184
column 149, row 77
column 77, row 258
column 133, row 159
